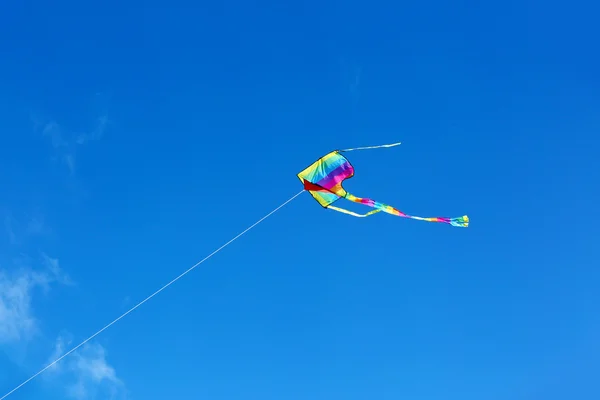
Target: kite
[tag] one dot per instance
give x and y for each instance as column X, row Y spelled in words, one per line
column 323, row 179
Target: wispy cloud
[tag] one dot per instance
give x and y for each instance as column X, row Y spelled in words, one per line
column 84, row 374
column 96, row 133
column 87, row 372
column 56, row 274
column 17, row 320
column 53, row 131
column 20, row 230
column 19, row 282
column 60, row 347
column 65, row 143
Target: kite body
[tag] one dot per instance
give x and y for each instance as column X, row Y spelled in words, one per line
column 323, row 180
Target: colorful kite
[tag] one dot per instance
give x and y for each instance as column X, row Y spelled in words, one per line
column 323, row 180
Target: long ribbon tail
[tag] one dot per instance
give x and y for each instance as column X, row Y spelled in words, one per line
column 462, row 222
column 374, row 147
column 342, row 210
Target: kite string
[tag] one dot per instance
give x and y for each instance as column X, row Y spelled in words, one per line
column 369, row 147
column 152, row 295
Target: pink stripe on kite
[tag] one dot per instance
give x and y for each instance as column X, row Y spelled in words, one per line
column 336, row 176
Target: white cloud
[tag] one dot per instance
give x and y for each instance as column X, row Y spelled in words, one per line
column 53, row 130
column 17, row 320
column 65, row 143
column 69, row 159
column 84, row 374
column 87, row 373
column 96, row 133
column 60, row 347
column 56, row 273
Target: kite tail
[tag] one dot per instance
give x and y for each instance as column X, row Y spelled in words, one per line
column 459, row 221
column 344, row 211
column 373, row 147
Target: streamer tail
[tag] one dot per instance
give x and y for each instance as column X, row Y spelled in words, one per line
column 381, row 146
column 462, row 222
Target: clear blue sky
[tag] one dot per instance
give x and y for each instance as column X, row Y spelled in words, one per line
column 139, row 136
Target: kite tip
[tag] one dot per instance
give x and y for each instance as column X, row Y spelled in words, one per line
column 462, row 222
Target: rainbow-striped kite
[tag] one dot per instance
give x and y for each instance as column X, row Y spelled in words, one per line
column 323, row 180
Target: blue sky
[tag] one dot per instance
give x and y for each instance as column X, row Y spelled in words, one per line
column 138, row 137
